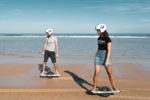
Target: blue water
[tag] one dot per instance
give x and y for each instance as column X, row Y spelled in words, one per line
column 114, row 35
column 27, row 49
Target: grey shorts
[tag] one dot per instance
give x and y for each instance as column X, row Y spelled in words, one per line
column 100, row 58
column 50, row 54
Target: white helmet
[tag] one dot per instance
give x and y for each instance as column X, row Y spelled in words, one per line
column 101, row 27
column 49, row 31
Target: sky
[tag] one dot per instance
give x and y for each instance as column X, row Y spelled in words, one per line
column 74, row 16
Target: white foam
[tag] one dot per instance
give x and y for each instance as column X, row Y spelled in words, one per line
column 73, row 36
column 77, row 36
column 129, row 37
column 22, row 36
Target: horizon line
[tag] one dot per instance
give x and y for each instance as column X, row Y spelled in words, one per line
column 73, row 33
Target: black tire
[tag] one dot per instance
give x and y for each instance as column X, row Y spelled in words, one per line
column 105, row 88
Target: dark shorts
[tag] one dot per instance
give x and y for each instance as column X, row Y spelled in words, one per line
column 50, row 54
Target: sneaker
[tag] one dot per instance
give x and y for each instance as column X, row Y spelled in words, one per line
column 43, row 74
column 116, row 90
column 93, row 91
column 57, row 73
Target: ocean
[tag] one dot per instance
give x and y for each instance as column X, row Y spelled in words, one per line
column 74, row 48
column 76, row 35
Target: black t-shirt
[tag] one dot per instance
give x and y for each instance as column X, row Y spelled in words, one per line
column 102, row 42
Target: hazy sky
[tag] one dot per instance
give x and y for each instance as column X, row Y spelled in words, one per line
column 74, row 16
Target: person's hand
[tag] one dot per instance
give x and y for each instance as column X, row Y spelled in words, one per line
column 43, row 52
column 57, row 55
column 106, row 63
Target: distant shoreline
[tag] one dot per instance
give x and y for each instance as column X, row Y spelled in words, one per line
column 71, row 35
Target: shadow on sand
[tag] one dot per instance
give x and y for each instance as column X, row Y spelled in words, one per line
column 40, row 68
column 81, row 82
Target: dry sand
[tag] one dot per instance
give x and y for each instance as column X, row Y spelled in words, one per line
column 22, row 82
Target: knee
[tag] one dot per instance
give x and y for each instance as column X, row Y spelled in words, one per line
column 54, row 64
column 44, row 63
column 97, row 73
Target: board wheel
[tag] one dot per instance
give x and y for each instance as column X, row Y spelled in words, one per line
column 105, row 88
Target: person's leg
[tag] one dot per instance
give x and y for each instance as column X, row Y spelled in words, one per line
column 46, row 56
column 95, row 77
column 53, row 59
column 44, row 65
column 56, row 68
column 111, row 78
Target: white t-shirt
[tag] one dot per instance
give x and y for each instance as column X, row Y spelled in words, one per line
column 52, row 41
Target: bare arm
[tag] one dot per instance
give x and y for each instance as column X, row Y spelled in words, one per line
column 44, row 48
column 109, row 46
column 56, row 48
column 45, row 45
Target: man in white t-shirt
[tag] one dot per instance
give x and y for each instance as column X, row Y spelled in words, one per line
column 50, row 50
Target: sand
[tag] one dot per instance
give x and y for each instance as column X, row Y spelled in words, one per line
column 22, row 82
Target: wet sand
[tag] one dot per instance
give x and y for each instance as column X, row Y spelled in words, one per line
column 22, row 82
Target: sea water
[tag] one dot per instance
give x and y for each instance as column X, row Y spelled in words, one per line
column 74, row 48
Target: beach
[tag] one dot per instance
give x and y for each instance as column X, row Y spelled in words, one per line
column 22, row 81
column 20, row 75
